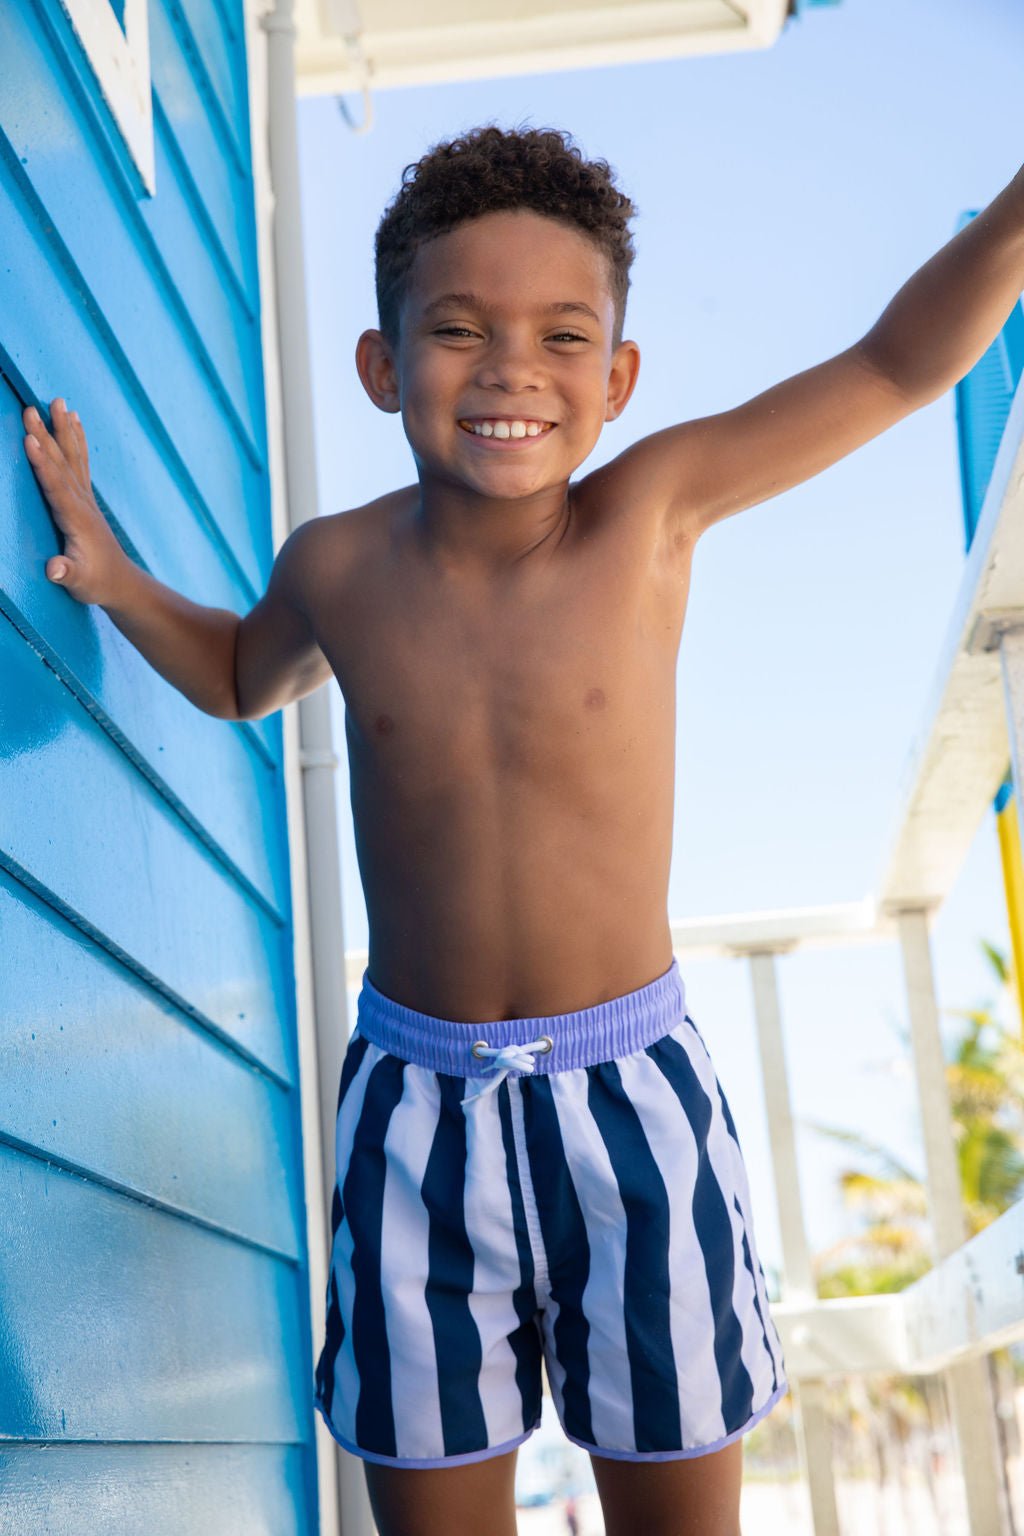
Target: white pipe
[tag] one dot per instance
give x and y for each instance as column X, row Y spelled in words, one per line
column 344, row 1506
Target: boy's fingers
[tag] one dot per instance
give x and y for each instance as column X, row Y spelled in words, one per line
column 41, row 459
column 62, row 428
column 34, row 423
column 54, row 475
column 83, row 446
column 44, row 437
column 59, row 417
column 64, row 440
column 68, row 438
column 48, row 440
column 47, row 436
column 59, row 461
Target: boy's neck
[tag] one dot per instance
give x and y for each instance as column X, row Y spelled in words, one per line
column 461, row 528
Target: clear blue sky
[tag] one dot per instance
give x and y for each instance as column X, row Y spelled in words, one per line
column 784, row 197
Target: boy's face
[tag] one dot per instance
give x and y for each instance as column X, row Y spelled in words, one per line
column 507, row 323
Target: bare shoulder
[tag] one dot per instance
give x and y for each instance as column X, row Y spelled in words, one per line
column 642, row 494
column 321, row 555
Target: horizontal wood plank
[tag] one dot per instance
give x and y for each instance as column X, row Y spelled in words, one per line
column 121, row 1322
column 220, row 774
column 84, row 825
column 155, row 1490
column 199, row 135
column 222, row 59
column 102, row 1074
column 158, row 512
column 227, row 331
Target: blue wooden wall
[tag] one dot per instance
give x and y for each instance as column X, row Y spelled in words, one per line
column 983, row 400
column 155, row 1356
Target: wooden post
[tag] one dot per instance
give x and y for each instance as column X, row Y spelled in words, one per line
column 968, row 1384
column 813, row 1437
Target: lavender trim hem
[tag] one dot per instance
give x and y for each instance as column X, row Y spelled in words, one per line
column 696, row 1450
column 415, row 1463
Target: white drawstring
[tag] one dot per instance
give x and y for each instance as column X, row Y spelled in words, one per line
column 506, row 1059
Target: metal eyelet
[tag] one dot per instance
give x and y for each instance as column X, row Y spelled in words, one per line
column 549, row 1044
column 477, row 1047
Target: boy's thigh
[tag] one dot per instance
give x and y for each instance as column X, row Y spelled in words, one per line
column 473, row 1500
column 691, row 1496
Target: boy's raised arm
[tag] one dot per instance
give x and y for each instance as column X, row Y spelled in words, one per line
column 933, row 332
column 234, row 668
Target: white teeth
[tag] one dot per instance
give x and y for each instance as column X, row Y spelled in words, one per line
column 506, row 429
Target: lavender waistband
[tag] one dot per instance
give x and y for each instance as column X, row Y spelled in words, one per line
column 601, row 1033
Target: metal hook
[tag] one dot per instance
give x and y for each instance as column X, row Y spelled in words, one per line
column 367, row 122
column 354, row 45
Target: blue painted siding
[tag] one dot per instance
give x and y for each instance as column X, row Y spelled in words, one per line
column 983, row 400
column 155, row 1352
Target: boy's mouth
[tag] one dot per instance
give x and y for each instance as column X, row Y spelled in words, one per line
column 505, row 427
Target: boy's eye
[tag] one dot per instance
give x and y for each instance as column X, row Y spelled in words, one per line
column 464, row 330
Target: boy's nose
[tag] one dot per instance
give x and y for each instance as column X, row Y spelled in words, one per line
column 510, row 370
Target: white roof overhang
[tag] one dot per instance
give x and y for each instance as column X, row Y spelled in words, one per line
column 346, row 45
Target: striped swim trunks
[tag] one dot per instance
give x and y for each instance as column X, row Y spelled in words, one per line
column 567, row 1189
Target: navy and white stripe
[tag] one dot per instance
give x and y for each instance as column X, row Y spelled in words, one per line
column 595, row 1213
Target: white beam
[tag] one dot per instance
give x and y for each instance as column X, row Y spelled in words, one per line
column 780, row 931
column 945, row 1208
column 971, row 1303
column 967, row 1305
column 845, row 1336
column 404, row 42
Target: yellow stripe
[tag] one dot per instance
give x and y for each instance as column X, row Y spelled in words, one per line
column 1008, row 828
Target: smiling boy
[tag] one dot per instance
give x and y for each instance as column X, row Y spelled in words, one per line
column 535, row 1158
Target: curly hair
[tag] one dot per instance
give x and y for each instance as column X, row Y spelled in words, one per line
column 489, row 170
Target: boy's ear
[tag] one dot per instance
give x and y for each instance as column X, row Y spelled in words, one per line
column 375, row 364
column 622, row 377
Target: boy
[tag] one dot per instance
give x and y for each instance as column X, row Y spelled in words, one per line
column 534, row 1156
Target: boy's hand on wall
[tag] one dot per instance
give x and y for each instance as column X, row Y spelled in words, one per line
column 92, row 558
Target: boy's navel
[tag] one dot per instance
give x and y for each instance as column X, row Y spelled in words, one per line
column 384, row 725
column 594, row 698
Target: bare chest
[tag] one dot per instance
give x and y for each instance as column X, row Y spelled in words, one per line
column 444, row 679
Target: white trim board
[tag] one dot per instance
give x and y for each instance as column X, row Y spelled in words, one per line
column 120, row 62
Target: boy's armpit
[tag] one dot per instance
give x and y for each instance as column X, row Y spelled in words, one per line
column 277, row 657
column 707, row 469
